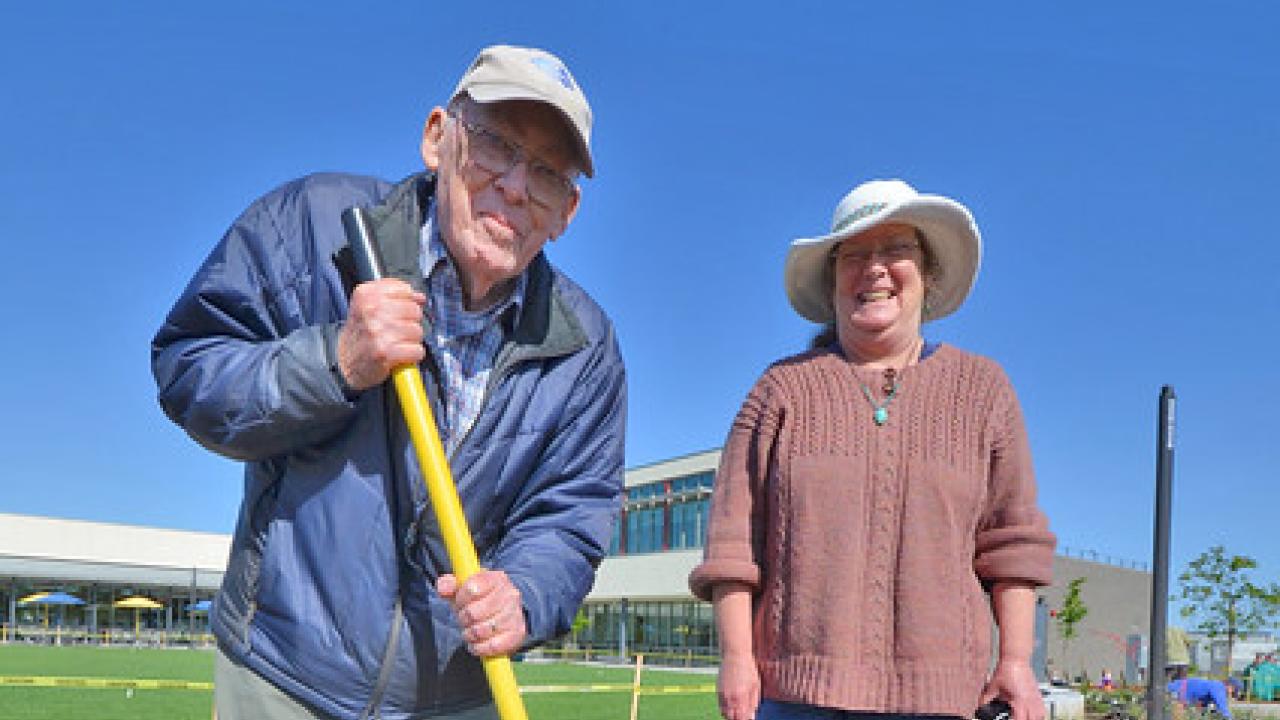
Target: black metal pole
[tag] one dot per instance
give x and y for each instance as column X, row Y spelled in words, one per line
column 623, row 625
column 1157, row 659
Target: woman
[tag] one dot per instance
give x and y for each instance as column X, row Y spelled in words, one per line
column 874, row 490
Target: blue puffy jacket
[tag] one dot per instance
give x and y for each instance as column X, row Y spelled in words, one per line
column 329, row 590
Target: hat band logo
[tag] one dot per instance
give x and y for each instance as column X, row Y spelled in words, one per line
column 554, row 70
column 856, row 215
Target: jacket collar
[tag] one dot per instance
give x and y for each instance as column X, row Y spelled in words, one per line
column 546, row 327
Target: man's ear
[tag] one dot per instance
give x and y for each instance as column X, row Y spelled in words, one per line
column 570, row 209
column 432, row 136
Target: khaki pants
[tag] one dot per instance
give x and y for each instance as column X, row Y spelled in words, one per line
column 239, row 694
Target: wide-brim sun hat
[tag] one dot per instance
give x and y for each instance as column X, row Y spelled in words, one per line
column 948, row 228
column 506, row 72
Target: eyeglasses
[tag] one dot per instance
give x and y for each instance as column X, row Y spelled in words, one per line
column 493, row 153
column 890, row 251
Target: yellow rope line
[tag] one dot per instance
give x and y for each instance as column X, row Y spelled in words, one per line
column 146, row 684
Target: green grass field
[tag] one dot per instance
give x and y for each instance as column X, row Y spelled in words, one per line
column 64, row 703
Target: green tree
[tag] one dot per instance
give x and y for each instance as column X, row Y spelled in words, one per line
column 580, row 622
column 1220, row 594
column 1068, row 617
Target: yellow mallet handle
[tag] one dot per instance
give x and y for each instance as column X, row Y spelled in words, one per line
column 453, row 524
column 435, row 469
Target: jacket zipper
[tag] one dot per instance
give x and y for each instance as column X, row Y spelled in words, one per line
column 397, row 615
column 384, row 669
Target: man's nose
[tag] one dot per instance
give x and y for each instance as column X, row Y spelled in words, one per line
column 514, row 183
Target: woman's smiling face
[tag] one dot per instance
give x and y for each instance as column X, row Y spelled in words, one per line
column 878, row 287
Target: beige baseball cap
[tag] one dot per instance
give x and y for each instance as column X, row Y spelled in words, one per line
column 506, row 72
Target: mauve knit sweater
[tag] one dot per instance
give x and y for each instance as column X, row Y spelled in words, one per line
column 868, row 548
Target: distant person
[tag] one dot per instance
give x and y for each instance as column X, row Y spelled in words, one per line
column 1252, row 667
column 1106, row 682
column 1264, row 681
column 1235, row 687
column 874, row 489
column 339, row 599
column 1200, row 692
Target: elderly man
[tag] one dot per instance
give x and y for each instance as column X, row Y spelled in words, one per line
column 338, row 600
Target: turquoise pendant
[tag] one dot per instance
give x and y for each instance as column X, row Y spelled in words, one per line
column 880, row 412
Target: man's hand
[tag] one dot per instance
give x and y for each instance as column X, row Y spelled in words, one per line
column 1015, row 683
column 490, row 610
column 383, row 330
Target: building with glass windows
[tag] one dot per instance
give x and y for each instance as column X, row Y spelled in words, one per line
column 640, row 602
column 77, row 581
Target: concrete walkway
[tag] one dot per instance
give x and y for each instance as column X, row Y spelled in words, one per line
column 1256, row 709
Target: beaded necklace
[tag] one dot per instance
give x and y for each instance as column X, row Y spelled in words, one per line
column 880, row 410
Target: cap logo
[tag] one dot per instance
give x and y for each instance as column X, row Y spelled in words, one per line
column 554, row 70
column 856, row 215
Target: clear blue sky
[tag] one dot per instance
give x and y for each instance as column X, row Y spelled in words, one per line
column 1121, row 161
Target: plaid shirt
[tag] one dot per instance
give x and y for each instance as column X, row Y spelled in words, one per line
column 465, row 344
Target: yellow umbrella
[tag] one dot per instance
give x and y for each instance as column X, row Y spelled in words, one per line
column 37, row 597
column 138, row 603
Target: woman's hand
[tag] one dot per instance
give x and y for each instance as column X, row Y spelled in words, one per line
column 1014, row 682
column 738, row 687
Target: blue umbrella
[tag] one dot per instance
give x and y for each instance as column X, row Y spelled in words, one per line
column 52, row 598
column 201, row 607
